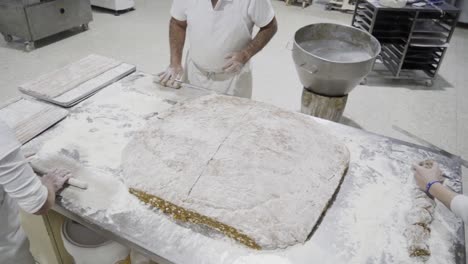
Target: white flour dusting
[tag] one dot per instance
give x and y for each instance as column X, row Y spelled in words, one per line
column 374, row 218
column 364, row 225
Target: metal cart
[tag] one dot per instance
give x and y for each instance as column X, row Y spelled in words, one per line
column 414, row 40
column 32, row 20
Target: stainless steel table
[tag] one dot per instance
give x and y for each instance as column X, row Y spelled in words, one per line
column 363, row 225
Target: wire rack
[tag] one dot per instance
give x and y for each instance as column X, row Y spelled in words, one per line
column 414, row 40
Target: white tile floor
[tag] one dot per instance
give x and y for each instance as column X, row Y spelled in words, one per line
column 438, row 114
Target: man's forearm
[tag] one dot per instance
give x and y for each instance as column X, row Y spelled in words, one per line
column 177, row 31
column 262, row 38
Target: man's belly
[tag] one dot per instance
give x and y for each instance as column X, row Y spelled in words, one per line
column 211, row 55
column 214, row 35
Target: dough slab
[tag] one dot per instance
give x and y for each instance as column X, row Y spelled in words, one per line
column 265, row 172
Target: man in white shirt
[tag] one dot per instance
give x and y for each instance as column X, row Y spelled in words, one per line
column 429, row 178
column 221, row 44
column 19, row 186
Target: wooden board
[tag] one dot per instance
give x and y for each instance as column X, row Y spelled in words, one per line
column 73, row 83
column 29, row 118
column 90, row 87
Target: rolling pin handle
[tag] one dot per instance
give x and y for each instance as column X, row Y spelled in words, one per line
column 77, row 183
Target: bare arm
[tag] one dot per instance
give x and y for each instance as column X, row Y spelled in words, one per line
column 454, row 201
column 236, row 60
column 442, row 194
column 54, row 182
column 428, row 172
column 177, row 32
column 262, row 38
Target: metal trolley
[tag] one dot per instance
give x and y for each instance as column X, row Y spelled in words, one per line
column 32, row 20
column 414, row 39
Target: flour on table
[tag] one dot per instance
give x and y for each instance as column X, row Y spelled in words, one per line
column 266, row 172
column 365, row 224
column 375, row 216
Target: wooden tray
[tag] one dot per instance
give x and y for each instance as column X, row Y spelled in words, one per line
column 77, row 81
column 29, row 118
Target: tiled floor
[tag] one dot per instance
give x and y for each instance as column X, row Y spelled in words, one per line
column 437, row 114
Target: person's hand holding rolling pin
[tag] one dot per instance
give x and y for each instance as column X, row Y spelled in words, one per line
column 56, row 179
column 171, row 77
column 20, row 187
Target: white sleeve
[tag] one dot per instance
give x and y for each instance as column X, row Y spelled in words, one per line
column 178, row 10
column 16, row 175
column 261, row 12
column 459, row 206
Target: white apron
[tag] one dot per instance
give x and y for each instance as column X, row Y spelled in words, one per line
column 214, row 33
column 238, row 84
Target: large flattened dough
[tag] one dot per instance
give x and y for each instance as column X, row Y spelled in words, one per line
column 265, row 171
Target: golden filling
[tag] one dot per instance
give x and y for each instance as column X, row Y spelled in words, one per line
column 180, row 214
column 420, row 253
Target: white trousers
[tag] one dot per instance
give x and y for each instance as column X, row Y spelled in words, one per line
column 238, row 84
column 14, row 245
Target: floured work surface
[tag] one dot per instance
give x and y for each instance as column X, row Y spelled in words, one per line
column 73, row 83
column 29, row 118
column 365, row 224
column 266, row 173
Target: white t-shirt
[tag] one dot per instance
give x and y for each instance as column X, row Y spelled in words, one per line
column 18, row 186
column 213, row 33
column 459, row 206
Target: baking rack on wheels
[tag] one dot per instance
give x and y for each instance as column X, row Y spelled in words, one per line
column 414, row 39
column 32, row 20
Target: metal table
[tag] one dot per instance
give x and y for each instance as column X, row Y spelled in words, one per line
column 414, row 39
column 32, row 20
column 376, row 162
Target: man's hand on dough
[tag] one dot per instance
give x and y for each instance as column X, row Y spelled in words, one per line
column 235, row 61
column 56, row 179
column 170, row 75
column 425, row 172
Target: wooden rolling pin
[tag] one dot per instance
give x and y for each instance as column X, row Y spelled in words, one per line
column 72, row 181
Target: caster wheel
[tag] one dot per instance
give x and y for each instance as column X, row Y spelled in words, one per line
column 29, row 46
column 328, row 7
column 429, row 83
column 116, row 14
column 8, row 38
column 85, row 27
